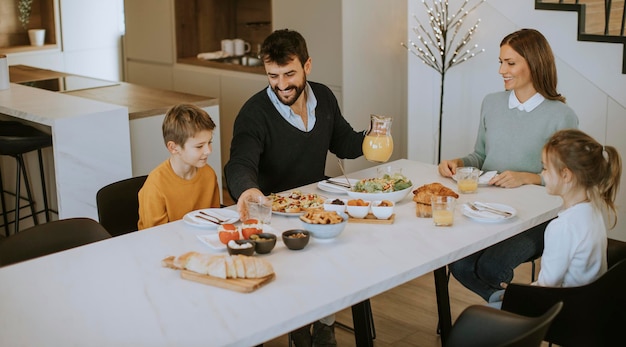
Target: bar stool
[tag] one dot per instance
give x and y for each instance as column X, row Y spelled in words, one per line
column 17, row 139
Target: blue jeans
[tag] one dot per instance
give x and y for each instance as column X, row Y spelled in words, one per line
column 483, row 271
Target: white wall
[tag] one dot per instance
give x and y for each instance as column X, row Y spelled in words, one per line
column 375, row 68
column 589, row 77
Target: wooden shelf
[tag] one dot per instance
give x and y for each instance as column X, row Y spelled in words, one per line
column 201, row 25
column 21, row 49
column 14, row 38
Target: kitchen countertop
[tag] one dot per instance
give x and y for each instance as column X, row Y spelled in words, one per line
column 141, row 101
column 224, row 66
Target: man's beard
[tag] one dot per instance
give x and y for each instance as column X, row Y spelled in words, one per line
column 288, row 102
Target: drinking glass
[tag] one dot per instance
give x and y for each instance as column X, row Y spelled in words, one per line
column 467, row 179
column 443, row 210
column 260, row 208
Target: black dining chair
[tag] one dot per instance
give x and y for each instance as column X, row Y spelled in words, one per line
column 118, row 205
column 592, row 315
column 484, row 326
column 50, row 237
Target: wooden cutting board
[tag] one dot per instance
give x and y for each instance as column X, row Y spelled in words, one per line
column 371, row 219
column 243, row 285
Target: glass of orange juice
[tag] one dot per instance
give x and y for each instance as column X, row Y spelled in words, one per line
column 443, row 210
column 467, row 179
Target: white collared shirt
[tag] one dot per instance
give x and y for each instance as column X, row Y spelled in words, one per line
column 529, row 105
column 291, row 117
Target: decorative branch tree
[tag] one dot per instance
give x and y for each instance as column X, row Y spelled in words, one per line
column 24, row 8
column 443, row 46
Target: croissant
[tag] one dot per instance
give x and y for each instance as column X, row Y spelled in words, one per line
column 221, row 266
column 424, row 193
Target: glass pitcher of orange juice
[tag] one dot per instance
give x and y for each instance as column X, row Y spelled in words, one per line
column 378, row 143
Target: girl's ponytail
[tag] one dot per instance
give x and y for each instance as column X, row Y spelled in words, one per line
column 610, row 184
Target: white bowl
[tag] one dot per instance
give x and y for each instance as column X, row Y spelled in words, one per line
column 382, row 212
column 391, row 196
column 359, row 211
column 329, row 206
column 326, row 231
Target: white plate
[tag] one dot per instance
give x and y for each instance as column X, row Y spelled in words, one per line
column 293, row 214
column 213, row 241
column 231, row 216
column 392, row 196
column 332, row 188
column 485, row 216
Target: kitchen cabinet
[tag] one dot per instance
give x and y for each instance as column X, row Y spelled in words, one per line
column 149, row 45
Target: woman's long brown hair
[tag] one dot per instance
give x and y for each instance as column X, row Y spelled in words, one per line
column 533, row 46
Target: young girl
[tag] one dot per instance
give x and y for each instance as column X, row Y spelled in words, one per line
column 586, row 175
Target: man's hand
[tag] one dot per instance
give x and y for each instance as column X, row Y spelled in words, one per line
column 242, row 207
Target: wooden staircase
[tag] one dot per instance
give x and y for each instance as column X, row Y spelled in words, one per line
column 598, row 20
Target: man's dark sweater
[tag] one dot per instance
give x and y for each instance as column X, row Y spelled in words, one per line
column 269, row 153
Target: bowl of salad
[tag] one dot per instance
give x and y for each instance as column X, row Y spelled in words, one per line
column 393, row 187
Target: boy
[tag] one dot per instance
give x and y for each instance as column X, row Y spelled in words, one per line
column 184, row 182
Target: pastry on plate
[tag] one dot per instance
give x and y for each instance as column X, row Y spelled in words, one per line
column 423, row 194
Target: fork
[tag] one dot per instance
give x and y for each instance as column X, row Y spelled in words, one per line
column 489, row 209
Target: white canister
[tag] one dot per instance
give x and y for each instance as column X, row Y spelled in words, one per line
column 241, row 47
column 228, row 47
column 4, row 72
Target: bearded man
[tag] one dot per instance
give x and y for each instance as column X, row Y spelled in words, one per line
column 281, row 138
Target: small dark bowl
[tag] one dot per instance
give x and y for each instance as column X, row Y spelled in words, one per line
column 294, row 243
column 243, row 251
column 264, row 242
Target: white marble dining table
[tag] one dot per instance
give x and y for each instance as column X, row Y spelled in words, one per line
column 116, row 293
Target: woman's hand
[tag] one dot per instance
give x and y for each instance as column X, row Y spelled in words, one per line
column 513, row 179
column 242, row 207
column 447, row 168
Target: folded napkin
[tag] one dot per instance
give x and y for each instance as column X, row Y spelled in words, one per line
column 486, row 177
column 212, row 55
column 481, row 214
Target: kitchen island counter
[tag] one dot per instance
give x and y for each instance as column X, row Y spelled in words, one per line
column 100, row 134
column 141, row 101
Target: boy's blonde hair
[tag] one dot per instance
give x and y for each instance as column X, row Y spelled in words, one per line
column 184, row 121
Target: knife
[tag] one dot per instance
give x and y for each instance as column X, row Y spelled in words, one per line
column 206, row 219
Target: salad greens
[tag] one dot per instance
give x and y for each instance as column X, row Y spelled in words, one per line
column 386, row 184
